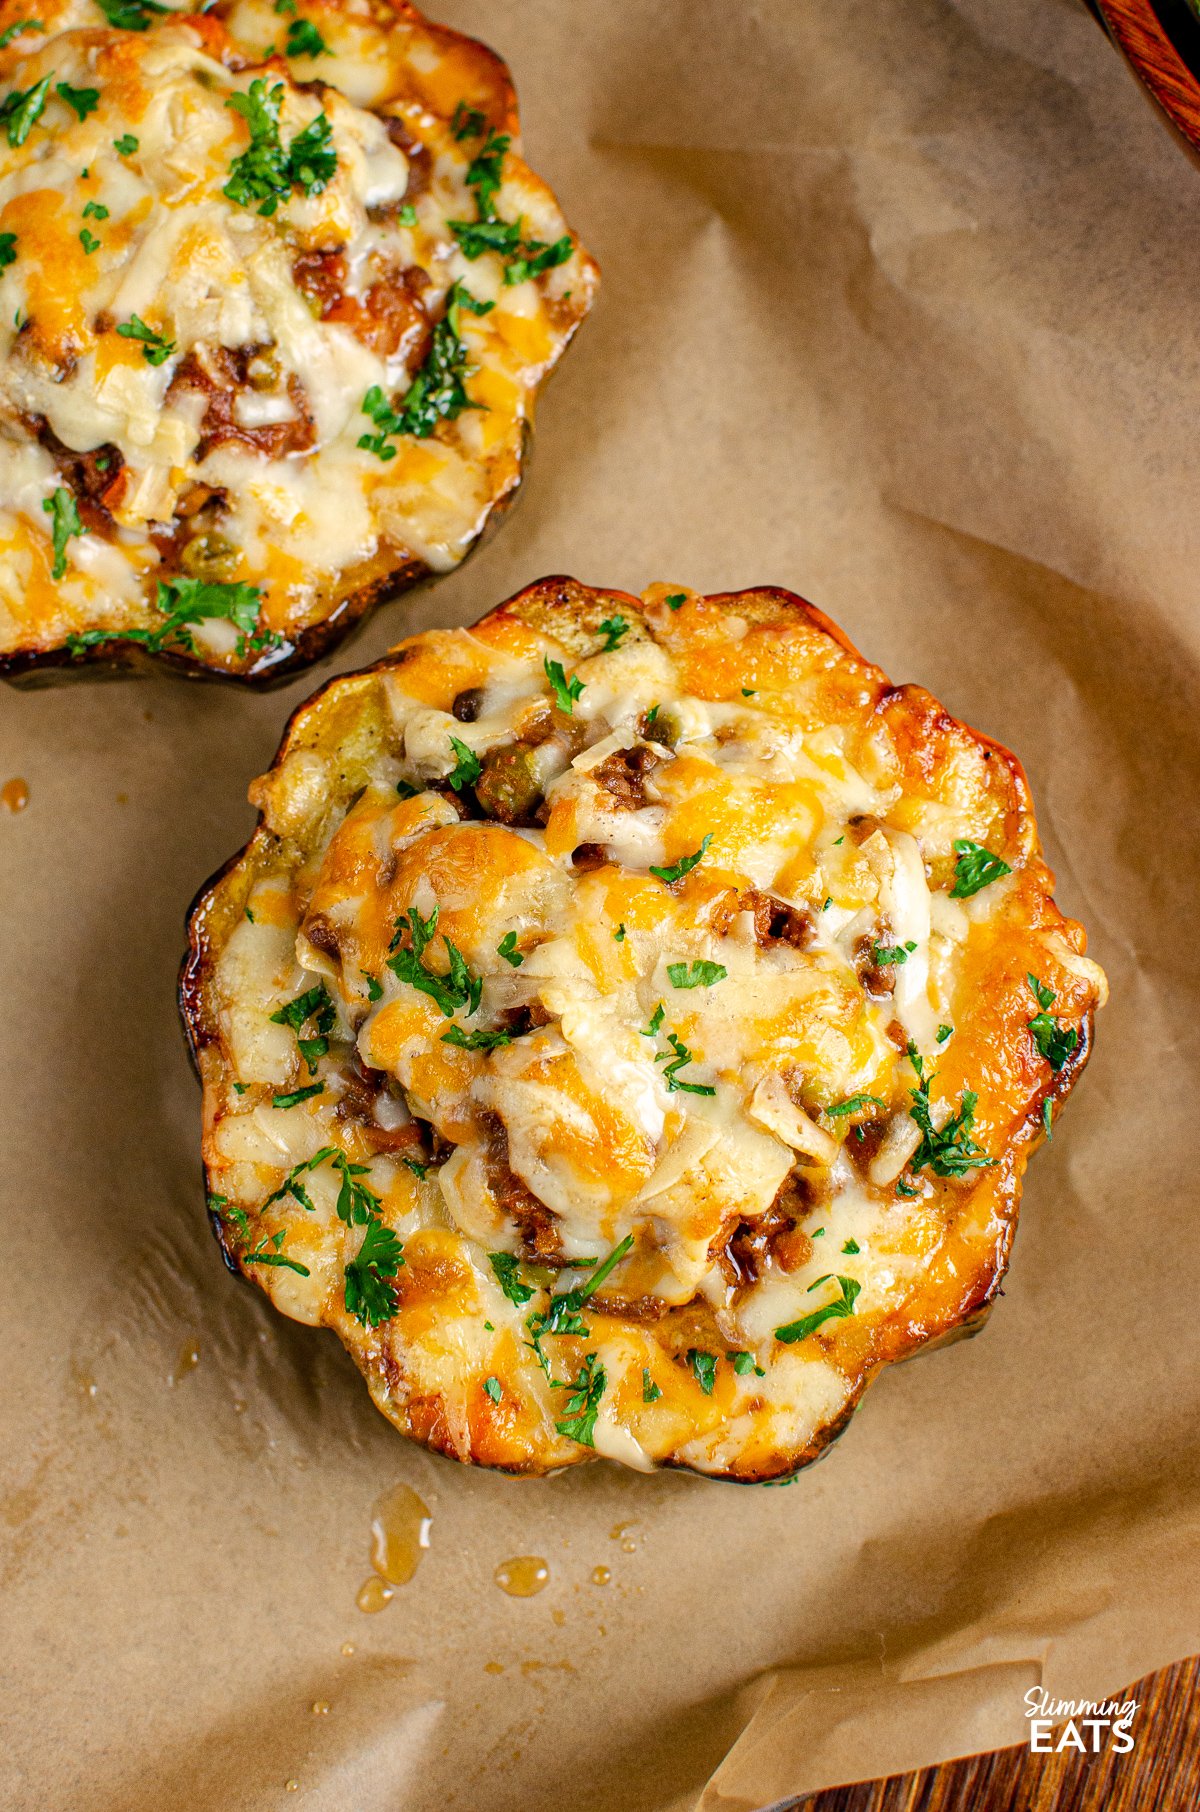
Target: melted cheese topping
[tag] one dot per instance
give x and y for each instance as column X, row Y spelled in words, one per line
column 234, row 457
column 686, row 973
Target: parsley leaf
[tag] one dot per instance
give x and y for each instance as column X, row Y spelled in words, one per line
column 304, row 40
column 267, row 1252
column 950, row 1151
column 61, row 506
column 613, row 629
column 468, row 122
column 374, row 991
column 458, row 988
column 851, row 1246
column 130, row 15
column 620, row 934
column 842, row 1306
column 314, row 1003
column 486, row 170
column 679, row 1062
column 476, row 1041
column 265, row 171
column 1054, row 1041
column 8, row 250
column 156, row 348
column 88, row 241
column 297, row 1095
column 467, row 768
column 744, row 1364
column 19, row 25
column 95, row 210
column 684, row 866
column 974, row 867
column 562, row 1314
column 675, row 600
column 22, row 109
column 884, row 954
column 704, row 1369
column 650, row 1390
column 370, row 1297
column 656, row 1019
column 583, row 1405
column 944, row 1032
column 565, row 690
column 437, row 393
column 697, row 975
column 507, row 948
column 509, row 1278
column 851, row 1105
column 494, row 1389
column 81, row 100
column 126, row 145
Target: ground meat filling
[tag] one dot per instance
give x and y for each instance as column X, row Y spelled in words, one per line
column 96, row 477
column 536, row 1224
column 224, row 377
column 623, row 775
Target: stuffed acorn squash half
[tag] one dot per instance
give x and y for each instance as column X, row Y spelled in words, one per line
column 628, row 1026
column 277, row 294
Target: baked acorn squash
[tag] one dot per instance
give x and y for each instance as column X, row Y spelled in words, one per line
column 628, row 1026
column 277, row 293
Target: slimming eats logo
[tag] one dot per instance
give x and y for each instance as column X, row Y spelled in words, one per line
column 1106, row 1722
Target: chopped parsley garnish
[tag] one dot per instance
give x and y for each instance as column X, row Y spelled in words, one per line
column 291, row 1184
column 186, row 601
column 675, row 600
column 374, row 991
column 851, row 1247
column 944, row 1032
column 285, row 8
column 8, row 250
column 95, row 210
column 851, row 1105
column 476, row 1041
column 419, row 1170
column 583, row 1405
column 21, row 110
column 882, row 955
column 467, row 769
column 126, row 145
column 565, row 690
column 704, row 1369
column 88, row 241
column 267, row 1252
column 494, row 1389
column 744, row 1364
column 458, row 988
column 486, row 170
column 407, row 215
column 685, row 864
column 507, row 948
column 656, row 1019
column 836, row 1310
column 679, row 1062
column 314, row 1004
column 14, row 30
column 370, row 1297
column 696, row 975
column 156, row 348
column 949, row 1151
column 61, row 506
column 468, row 122
column 613, row 629
column 619, row 935
column 266, row 172
column 508, row 1276
column 82, row 101
column 130, row 15
column 562, row 1314
column 749, row 691
column 437, row 392
column 1054, row 1041
column 356, row 1203
column 650, row 1390
column 903, row 1188
column 297, row 1095
column 304, row 40
column 974, row 867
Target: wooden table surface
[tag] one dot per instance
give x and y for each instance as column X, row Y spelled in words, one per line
column 1160, row 1774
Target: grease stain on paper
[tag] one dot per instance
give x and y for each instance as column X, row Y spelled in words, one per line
column 14, row 794
column 400, row 1525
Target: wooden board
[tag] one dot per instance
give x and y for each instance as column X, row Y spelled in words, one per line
column 1160, row 1774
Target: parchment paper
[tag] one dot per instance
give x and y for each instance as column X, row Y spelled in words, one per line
column 902, row 310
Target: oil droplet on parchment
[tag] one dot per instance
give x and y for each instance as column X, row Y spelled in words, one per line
column 399, row 1534
column 320, row 1709
column 493, row 1667
column 619, row 1532
column 523, row 1577
column 374, row 1594
column 15, row 795
column 601, row 1575
column 347, row 1648
column 188, row 1360
column 291, row 1786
